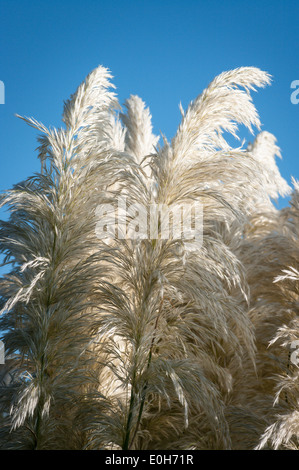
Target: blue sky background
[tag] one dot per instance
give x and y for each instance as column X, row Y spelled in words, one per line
column 166, row 51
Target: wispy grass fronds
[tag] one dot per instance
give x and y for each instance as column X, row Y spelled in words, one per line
column 141, row 342
column 175, row 304
column 268, row 249
column 50, row 241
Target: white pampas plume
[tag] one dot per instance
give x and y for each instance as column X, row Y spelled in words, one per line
column 140, row 140
column 264, row 149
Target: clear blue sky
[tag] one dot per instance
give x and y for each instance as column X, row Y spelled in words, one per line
column 166, row 51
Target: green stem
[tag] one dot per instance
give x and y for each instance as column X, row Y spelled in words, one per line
column 143, row 394
column 130, row 416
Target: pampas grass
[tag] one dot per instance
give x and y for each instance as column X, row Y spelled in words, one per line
column 134, row 342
